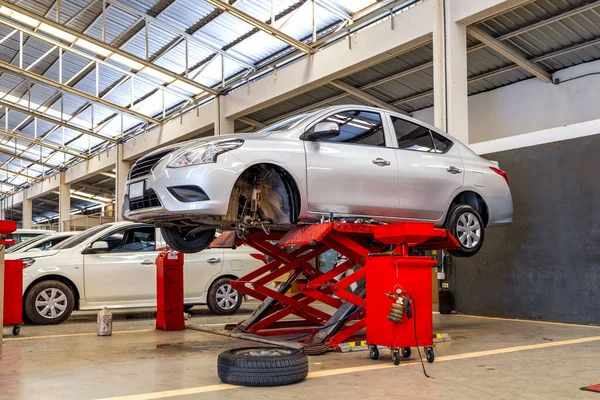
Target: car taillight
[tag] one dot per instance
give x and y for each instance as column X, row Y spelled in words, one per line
column 259, row 256
column 501, row 173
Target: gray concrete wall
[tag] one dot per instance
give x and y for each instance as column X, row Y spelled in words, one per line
column 546, row 265
column 532, row 105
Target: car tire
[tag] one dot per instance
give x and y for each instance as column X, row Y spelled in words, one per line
column 223, row 299
column 262, row 366
column 178, row 240
column 466, row 225
column 39, row 307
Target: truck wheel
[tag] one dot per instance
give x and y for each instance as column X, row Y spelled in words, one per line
column 466, row 225
column 223, row 299
column 180, row 241
column 49, row 302
column 262, row 366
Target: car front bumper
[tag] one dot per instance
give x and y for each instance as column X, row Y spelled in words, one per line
column 159, row 203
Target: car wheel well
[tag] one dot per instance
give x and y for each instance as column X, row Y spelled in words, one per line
column 59, row 278
column 474, row 200
column 280, row 180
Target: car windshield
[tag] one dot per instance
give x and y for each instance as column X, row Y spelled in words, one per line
column 79, row 238
column 19, row 246
column 287, row 123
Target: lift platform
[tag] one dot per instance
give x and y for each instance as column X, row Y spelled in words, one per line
column 332, row 306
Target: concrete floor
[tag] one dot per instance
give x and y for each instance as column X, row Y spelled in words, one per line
column 486, row 358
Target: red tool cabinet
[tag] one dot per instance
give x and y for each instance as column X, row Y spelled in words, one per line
column 13, row 295
column 169, row 291
column 412, row 275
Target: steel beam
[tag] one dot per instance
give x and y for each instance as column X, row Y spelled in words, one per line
column 29, row 160
column 509, row 52
column 252, row 122
column 77, row 92
column 258, row 24
column 356, row 92
column 44, row 117
column 39, row 142
column 21, row 175
column 106, row 47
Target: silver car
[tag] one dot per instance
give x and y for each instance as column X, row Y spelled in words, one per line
column 352, row 162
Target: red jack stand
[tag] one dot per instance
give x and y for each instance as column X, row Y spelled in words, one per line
column 356, row 242
column 169, row 291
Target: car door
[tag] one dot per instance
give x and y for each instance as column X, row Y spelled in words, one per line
column 429, row 168
column 126, row 271
column 356, row 172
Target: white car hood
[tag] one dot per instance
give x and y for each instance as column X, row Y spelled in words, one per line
column 31, row 254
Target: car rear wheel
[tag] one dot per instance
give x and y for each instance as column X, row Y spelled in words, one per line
column 223, row 299
column 49, row 302
column 181, row 240
column 466, row 225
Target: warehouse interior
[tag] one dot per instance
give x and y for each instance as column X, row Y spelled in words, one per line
column 89, row 87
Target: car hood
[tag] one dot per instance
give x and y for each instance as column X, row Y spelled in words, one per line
column 197, row 142
column 31, row 254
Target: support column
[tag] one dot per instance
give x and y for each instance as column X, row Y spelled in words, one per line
column 223, row 125
column 450, row 87
column 64, row 203
column 27, row 219
column 122, row 167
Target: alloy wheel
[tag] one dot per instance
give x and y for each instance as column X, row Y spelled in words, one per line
column 227, row 297
column 468, row 230
column 51, row 303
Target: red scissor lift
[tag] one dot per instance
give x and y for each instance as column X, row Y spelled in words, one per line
column 291, row 253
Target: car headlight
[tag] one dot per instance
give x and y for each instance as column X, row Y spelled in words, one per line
column 204, row 154
column 27, row 262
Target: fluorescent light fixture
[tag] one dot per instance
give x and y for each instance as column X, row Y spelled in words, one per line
column 19, row 17
column 84, row 44
column 157, row 74
column 57, row 32
column 126, row 61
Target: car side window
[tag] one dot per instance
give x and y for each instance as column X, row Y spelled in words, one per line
column 131, row 240
column 411, row 136
column 442, row 144
column 358, row 127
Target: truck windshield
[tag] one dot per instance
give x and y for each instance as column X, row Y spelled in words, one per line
column 80, row 238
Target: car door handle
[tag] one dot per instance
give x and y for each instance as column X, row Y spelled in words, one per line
column 453, row 170
column 381, row 162
column 147, row 262
column 213, row 260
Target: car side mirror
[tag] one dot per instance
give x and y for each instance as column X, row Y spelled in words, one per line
column 323, row 131
column 99, row 247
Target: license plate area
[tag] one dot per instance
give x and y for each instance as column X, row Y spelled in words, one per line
column 136, row 190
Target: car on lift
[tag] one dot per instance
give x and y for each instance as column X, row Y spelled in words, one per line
column 352, row 162
column 41, row 242
column 113, row 265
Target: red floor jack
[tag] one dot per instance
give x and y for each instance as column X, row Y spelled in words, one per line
column 362, row 245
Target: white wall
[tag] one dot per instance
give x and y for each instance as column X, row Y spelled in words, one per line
column 532, row 105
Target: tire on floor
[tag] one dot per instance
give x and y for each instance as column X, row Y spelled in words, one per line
column 262, row 366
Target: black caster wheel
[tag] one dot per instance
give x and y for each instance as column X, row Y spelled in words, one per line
column 429, row 354
column 396, row 357
column 16, row 330
column 406, row 352
column 373, row 352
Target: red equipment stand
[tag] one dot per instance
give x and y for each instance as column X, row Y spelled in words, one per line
column 11, row 282
column 169, row 291
column 361, row 244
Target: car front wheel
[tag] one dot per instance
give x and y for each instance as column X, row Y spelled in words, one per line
column 223, row 299
column 466, row 225
column 181, row 240
column 49, row 302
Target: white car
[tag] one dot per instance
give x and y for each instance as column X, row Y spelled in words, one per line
column 113, row 265
column 41, row 242
column 23, row 235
